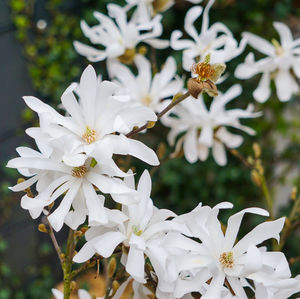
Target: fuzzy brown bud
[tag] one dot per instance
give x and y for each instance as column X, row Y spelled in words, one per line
column 111, row 268
column 255, row 177
column 256, row 150
column 42, row 228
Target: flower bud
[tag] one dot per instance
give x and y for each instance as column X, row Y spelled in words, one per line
column 294, row 193
column 111, row 268
column 255, row 177
column 151, row 124
column 42, row 228
column 256, row 150
column 115, row 285
column 161, row 150
column 73, row 285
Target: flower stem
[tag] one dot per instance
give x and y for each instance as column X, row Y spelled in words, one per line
column 174, row 102
column 67, row 265
column 54, row 241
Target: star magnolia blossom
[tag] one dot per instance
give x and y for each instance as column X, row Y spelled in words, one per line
column 219, row 256
column 205, row 128
column 93, row 121
column 217, row 40
column 142, row 89
column 145, row 224
column 282, row 64
column 120, row 37
column 76, row 151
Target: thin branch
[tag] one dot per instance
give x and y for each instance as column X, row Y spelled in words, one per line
column 159, row 115
column 54, row 241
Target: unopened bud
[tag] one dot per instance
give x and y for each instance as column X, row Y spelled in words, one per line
column 112, row 266
column 151, row 124
column 73, row 285
column 250, row 160
column 256, row 150
column 84, row 229
column 20, row 180
column 294, row 193
column 115, row 285
column 255, row 177
column 259, row 167
column 161, row 150
column 142, row 50
column 176, row 96
column 42, row 228
column 78, row 234
column 51, row 206
column 195, row 88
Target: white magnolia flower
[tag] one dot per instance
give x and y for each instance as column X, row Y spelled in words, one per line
column 281, row 64
column 142, row 89
column 219, row 256
column 76, row 151
column 217, row 40
column 119, row 36
column 54, row 179
column 82, row 294
column 89, row 130
column 144, row 226
column 205, row 129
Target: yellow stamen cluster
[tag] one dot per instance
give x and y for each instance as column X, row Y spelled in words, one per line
column 278, row 48
column 79, row 172
column 147, row 100
column 226, row 259
column 137, row 231
column 89, row 135
column 204, row 71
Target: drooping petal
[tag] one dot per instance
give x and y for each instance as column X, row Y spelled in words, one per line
column 135, row 264
column 263, row 90
column 259, row 234
column 107, row 243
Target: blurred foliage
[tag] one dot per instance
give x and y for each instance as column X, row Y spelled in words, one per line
column 47, row 29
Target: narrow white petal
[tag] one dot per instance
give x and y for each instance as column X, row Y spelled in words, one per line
column 107, row 243
column 135, row 264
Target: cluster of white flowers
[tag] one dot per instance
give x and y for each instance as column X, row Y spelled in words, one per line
column 75, row 167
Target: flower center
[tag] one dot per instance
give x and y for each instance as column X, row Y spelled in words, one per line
column 79, row 172
column 89, row 135
column 278, row 48
column 226, row 259
column 136, row 230
column 147, row 100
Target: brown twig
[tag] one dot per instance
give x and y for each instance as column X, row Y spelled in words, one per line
column 54, row 241
column 159, row 115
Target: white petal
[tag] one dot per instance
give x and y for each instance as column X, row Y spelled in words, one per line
column 286, row 85
column 57, row 218
column 189, row 20
column 259, row 43
column 285, row 34
column 85, row 253
column 219, row 153
column 263, row 90
column 57, row 294
column 97, row 214
column 108, row 185
column 83, row 294
column 234, row 223
column 142, row 152
column 135, row 264
column 107, row 243
column 190, row 145
column 260, row 233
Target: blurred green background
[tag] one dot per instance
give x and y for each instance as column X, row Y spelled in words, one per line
column 44, row 31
